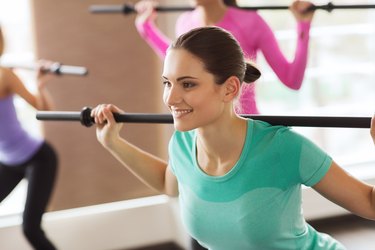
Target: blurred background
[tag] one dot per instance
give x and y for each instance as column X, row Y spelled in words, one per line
column 123, row 69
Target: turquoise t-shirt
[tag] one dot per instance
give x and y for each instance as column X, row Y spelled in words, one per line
column 257, row 204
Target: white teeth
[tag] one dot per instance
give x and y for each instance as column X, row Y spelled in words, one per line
column 180, row 112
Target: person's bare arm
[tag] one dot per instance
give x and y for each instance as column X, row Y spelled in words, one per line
column 40, row 100
column 348, row 192
column 150, row 169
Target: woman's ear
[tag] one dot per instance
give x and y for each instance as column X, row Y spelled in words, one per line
column 232, row 88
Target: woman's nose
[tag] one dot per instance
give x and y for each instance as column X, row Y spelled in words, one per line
column 172, row 96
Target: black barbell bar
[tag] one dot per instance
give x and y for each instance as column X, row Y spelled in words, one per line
column 129, row 9
column 300, row 121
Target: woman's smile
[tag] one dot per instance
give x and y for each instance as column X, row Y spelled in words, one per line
column 179, row 113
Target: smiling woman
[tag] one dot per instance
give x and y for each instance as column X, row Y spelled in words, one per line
column 220, row 163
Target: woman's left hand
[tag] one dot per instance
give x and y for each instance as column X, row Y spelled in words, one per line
column 43, row 72
column 301, row 12
column 107, row 129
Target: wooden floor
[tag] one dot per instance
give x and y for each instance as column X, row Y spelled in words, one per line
column 353, row 232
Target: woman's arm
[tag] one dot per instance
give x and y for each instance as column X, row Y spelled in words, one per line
column 41, row 100
column 150, row 169
column 348, row 192
column 145, row 24
column 290, row 73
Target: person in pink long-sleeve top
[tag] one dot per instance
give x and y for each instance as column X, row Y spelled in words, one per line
column 248, row 27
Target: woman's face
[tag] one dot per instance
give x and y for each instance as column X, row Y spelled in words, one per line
column 190, row 93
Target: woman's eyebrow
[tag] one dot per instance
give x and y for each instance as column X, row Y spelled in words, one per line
column 181, row 78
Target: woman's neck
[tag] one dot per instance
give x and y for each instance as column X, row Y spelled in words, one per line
column 219, row 147
column 212, row 13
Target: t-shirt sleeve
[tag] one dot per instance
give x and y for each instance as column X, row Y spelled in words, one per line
column 305, row 162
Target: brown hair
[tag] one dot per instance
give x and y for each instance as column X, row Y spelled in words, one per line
column 220, row 53
column 230, row 2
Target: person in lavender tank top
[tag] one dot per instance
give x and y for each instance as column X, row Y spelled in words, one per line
column 248, row 27
column 25, row 156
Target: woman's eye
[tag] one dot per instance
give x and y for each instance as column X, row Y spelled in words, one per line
column 166, row 83
column 188, row 85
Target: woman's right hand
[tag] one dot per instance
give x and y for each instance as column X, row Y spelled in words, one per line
column 145, row 11
column 107, row 129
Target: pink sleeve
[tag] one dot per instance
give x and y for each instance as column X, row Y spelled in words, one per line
column 290, row 73
column 154, row 37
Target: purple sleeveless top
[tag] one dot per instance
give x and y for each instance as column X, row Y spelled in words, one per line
column 16, row 145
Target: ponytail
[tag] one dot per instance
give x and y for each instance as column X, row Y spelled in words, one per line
column 230, row 3
column 252, row 73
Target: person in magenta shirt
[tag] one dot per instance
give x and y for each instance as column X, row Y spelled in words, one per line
column 248, row 27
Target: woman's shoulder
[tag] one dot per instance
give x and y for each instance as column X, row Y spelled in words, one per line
column 246, row 19
column 7, row 79
column 262, row 129
column 4, row 72
column 280, row 136
column 266, row 126
column 240, row 13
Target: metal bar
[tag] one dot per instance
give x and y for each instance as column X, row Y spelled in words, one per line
column 61, row 69
column 300, row 121
column 129, row 9
column 58, row 116
column 56, row 68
